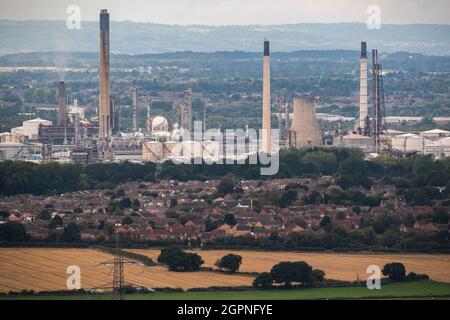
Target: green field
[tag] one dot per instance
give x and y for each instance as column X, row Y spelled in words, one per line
column 423, row 289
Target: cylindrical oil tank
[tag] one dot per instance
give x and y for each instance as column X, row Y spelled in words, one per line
column 415, row 144
column 399, row 142
column 172, row 149
column 357, row 141
column 152, row 151
column 211, row 150
column 192, row 149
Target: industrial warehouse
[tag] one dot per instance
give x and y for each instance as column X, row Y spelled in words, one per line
column 75, row 138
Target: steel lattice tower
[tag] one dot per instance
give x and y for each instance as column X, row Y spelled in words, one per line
column 379, row 112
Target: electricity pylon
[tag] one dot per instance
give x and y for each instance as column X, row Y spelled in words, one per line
column 118, row 281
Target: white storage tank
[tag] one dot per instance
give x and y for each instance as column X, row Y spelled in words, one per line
column 31, row 127
column 192, row 149
column 211, row 150
column 171, row 149
column 357, row 141
column 415, row 144
column 152, row 151
column 399, row 142
column 435, row 134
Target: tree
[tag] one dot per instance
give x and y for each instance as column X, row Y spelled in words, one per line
column 125, row 203
column 78, row 210
column 226, row 185
column 127, row 220
column 318, row 275
column 4, row 214
column 71, row 233
column 136, row 204
column 13, row 232
column 326, row 223
column 287, row 198
column 178, row 260
column 441, row 216
column 210, row 225
column 230, row 219
column 230, row 262
column 288, row 272
column 167, row 253
column 394, row 271
column 183, row 261
column 44, row 215
column 263, row 280
column 173, row 202
column 56, row 221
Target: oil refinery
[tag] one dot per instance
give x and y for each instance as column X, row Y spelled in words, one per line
column 74, row 138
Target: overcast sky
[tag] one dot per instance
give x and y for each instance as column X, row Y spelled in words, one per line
column 226, row 12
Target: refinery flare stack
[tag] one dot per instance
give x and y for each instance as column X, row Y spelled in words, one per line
column 104, row 115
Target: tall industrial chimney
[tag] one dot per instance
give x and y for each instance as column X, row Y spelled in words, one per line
column 104, row 115
column 266, row 139
column 135, row 109
column 305, row 131
column 149, row 119
column 363, row 101
column 62, row 110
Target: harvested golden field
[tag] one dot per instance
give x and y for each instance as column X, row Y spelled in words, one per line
column 338, row 266
column 43, row 269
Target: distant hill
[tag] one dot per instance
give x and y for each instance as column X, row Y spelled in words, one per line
column 139, row 38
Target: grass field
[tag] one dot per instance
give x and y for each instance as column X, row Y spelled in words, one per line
column 423, row 290
column 338, row 266
column 42, row 269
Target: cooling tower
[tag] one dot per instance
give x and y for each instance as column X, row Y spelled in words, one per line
column 104, row 115
column 266, row 138
column 305, row 132
column 62, row 110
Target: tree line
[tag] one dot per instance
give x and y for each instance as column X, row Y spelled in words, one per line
column 411, row 176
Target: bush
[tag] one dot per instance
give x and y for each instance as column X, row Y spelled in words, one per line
column 167, row 253
column 183, row 261
column 230, row 262
column 395, row 271
column 288, row 272
column 178, row 260
column 318, row 275
column 412, row 276
column 12, row 231
column 264, row 281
